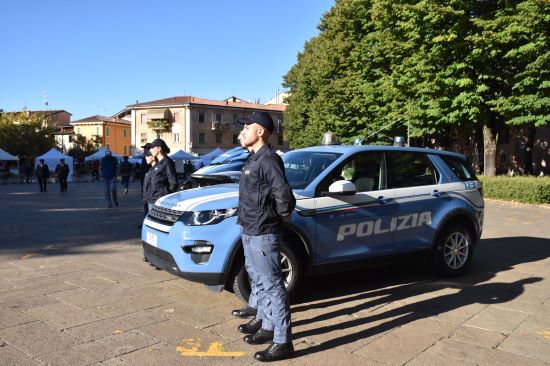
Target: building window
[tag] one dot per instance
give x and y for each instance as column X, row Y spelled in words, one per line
column 280, row 140
column 108, row 146
column 218, row 117
column 202, row 138
column 201, row 117
column 176, row 137
column 107, row 131
column 176, row 116
column 235, row 139
column 97, row 131
column 124, row 132
column 143, row 119
column 234, row 118
column 143, row 137
column 78, row 131
column 125, row 150
column 218, row 138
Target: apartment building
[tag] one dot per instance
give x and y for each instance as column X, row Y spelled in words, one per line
column 112, row 132
column 196, row 124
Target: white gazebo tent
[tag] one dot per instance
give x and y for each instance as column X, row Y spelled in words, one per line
column 207, row 158
column 51, row 159
column 100, row 154
column 180, row 157
column 7, row 157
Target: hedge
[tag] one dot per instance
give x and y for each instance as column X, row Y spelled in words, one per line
column 521, row 189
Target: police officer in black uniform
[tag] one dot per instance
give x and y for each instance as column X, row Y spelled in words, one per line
column 265, row 201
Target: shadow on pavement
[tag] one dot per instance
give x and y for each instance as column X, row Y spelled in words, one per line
column 391, row 284
column 56, row 223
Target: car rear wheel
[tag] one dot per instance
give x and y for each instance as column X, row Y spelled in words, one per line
column 289, row 267
column 453, row 251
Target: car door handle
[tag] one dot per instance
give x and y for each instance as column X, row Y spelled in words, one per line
column 383, row 199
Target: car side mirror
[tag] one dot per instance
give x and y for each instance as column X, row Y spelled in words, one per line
column 343, row 187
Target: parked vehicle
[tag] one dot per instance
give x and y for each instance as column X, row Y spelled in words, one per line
column 354, row 204
column 225, row 168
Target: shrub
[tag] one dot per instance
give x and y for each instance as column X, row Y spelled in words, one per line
column 521, row 189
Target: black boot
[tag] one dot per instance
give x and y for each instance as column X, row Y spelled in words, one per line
column 251, row 327
column 275, row 352
column 260, row 337
column 245, row 312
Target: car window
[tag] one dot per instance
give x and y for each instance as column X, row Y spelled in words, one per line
column 408, row 169
column 302, row 167
column 460, row 168
column 365, row 170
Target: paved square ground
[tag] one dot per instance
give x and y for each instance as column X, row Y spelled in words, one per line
column 75, row 291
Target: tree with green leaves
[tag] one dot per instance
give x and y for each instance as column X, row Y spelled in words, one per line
column 380, row 68
column 82, row 148
column 26, row 134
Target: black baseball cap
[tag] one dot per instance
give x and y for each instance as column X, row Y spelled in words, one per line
column 146, row 146
column 260, row 117
column 160, row 143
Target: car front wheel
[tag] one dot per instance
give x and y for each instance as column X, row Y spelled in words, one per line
column 453, row 251
column 289, row 268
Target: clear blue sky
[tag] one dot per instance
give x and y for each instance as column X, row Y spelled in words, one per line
column 96, row 57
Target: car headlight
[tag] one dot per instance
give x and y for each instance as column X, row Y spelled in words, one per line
column 208, row 217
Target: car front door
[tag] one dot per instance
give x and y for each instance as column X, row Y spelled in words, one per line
column 353, row 227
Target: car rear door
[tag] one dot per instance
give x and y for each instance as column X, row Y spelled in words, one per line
column 419, row 200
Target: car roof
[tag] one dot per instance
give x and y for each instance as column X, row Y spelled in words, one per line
column 350, row 149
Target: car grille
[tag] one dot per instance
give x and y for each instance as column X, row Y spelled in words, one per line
column 163, row 215
column 151, row 251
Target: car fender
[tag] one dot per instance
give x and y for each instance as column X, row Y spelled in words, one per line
column 454, row 215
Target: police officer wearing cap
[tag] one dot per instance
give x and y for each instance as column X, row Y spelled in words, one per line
column 163, row 174
column 265, row 201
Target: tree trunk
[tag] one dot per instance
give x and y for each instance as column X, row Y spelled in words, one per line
column 489, row 151
column 528, row 153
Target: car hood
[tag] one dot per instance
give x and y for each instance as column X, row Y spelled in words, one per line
column 211, row 169
column 215, row 197
column 220, row 196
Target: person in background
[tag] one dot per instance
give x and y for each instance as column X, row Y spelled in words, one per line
column 144, row 167
column 108, row 171
column 42, row 173
column 95, row 170
column 28, row 173
column 62, row 172
column 125, row 171
column 147, row 183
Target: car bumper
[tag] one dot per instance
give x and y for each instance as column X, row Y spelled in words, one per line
column 164, row 260
column 165, row 247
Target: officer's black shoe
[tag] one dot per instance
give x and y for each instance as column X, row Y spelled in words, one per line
column 245, row 312
column 275, row 352
column 260, row 337
column 251, row 327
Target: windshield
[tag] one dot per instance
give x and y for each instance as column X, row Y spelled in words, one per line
column 302, row 167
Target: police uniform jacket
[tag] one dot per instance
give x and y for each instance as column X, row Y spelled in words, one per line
column 42, row 171
column 62, row 171
column 264, row 193
column 160, row 180
column 109, row 167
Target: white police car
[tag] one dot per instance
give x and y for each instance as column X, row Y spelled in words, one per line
column 353, row 204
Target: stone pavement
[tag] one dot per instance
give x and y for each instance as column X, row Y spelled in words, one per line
column 75, row 291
